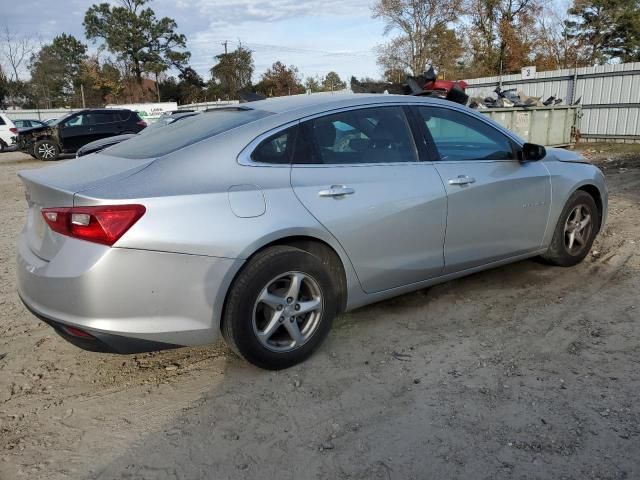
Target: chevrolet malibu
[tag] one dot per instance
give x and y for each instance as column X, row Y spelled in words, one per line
column 265, row 221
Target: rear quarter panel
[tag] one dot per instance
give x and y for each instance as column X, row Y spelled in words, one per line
column 188, row 197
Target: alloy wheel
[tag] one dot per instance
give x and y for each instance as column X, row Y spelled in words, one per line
column 288, row 311
column 47, row 150
column 577, row 229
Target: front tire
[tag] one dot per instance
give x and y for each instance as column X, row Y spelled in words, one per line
column 575, row 232
column 46, row 150
column 280, row 307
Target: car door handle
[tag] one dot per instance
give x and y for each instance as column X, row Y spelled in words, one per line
column 461, row 180
column 337, row 191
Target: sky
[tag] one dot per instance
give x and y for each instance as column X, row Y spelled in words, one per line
column 317, row 36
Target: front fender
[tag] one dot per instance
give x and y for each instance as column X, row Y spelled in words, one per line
column 567, row 177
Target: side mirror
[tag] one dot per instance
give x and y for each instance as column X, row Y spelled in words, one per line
column 532, row 152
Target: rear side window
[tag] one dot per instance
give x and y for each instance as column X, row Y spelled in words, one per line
column 276, row 149
column 459, row 136
column 184, row 133
column 369, row 135
column 98, row 118
column 2, row 122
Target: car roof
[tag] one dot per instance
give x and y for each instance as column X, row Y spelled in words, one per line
column 295, row 107
column 329, row 101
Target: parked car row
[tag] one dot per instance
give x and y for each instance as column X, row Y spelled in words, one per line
column 82, row 133
column 164, row 120
column 71, row 132
column 10, row 129
column 264, row 221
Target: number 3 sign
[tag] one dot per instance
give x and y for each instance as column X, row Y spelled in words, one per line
column 528, row 73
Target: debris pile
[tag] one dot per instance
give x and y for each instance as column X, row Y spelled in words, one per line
column 512, row 98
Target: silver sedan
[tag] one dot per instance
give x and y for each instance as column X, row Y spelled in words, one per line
column 263, row 222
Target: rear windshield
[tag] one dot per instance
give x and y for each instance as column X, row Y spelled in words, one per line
column 181, row 134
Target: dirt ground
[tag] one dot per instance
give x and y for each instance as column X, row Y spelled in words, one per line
column 525, row 371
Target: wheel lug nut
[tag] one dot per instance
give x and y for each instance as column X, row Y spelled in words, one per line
column 279, row 307
column 289, row 300
column 291, row 319
column 297, row 307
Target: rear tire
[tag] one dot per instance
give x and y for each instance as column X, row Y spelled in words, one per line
column 3, row 146
column 46, row 150
column 575, row 232
column 280, row 307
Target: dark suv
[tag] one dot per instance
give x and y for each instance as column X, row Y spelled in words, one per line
column 69, row 133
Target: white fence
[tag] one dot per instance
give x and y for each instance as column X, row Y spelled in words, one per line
column 609, row 95
column 46, row 114
column 38, row 114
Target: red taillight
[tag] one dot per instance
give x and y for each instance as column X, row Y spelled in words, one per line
column 13, row 130
column 103, row 224
column 141, row 123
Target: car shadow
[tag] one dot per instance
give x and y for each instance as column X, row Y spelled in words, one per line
column 369, row 400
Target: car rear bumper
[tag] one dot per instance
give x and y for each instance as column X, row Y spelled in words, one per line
column 128, row 300
column 100, row 341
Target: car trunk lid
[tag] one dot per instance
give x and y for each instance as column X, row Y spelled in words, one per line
column 56, row 186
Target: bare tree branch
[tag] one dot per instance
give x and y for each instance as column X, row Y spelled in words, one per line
column 16, row 51
column 420, row 24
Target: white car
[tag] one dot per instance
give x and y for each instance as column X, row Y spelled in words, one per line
column 8, row 133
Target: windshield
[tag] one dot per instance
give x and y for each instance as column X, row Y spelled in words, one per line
column 162, row 141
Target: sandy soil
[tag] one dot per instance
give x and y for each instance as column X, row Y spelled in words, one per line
column 526, row 371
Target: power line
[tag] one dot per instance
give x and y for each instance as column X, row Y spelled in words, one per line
column 282, row 48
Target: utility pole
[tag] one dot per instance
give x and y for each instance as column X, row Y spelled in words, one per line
column 157, row 88
column 82, row 93
column 225, row 46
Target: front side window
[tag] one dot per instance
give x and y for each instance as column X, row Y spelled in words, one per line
column 459, row 136
column 368, row 135
column 76, row 121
